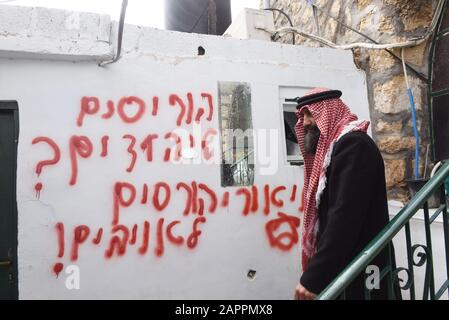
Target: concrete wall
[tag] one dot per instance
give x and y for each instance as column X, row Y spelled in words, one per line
column 67, row 207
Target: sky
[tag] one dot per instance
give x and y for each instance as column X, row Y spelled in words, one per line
column 140, row 12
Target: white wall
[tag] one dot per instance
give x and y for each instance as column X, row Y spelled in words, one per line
column 157, row 63
column 418, row 236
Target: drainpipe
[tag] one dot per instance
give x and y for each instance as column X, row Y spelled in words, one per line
column 120, row 36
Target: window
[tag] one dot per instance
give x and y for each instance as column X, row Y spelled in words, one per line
column 292, row 152
column 236, row 130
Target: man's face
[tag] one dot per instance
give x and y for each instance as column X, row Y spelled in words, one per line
column 311, row 132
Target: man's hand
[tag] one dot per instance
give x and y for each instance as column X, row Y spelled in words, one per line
column 302, row 293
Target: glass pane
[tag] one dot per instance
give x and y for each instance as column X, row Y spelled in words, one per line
column 236, row 129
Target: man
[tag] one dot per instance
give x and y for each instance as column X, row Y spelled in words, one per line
column 344, row 193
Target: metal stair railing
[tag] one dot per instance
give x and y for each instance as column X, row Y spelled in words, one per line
column 336, row 289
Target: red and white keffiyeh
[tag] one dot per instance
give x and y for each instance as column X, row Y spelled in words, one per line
column 334, row 119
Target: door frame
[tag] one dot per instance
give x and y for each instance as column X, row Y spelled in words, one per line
column 11, row 105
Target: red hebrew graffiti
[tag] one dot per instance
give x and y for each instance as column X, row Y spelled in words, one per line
column 119, row 200
column 89, row 105
column 266, row 194
column 208, row 97
column 255, row 199
column 110, row 112
column 147, row 145
column 144, row 194
column 79, row 145
column 225, row 199
column 189, row 196
column 175, row 99
column 146, row 238
column 98, row 237
column 158, row 205
column 177, row 240
column 56, row 153
column 212, row 195
column 159, row 232
column 207, row 153
column 274, row 200
column 80, row 235
column 61, row 243
column 104, row 146
column 155, row 106
column 126, row 101
column 301, row 207
column 133, row 239
column 131, row 109
column 247, row 195
column 131, row 151
column 284, row 240
column 293, row 194
column 119, row 242
column 159, row 250
column 43, row 163
column 192, row 240
column 177, row 139
column 281, row 232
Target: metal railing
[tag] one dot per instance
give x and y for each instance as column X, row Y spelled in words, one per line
column 336, row 289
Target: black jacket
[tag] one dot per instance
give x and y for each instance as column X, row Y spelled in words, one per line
column 353, row 209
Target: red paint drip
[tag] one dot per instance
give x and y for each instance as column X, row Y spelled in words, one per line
column 57, row 268
column 38, row 188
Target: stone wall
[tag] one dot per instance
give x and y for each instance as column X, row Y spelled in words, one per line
column 385, row 21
